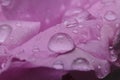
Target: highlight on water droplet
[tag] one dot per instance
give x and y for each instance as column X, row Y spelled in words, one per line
column 61, row 43
column 5, row 31
column 81, row 64
column 58, row 65
column 110, row 16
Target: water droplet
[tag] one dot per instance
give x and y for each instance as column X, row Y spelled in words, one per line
column 18, row 24
column 80, row 26
column 36, row 50
column 98, row 38
column 2, row 65
column 58, row 65
column 99, row 67
column 61, row 43
column 113, row 56
column 117, row 25
column 110, row 16
column 5, row 31
column 102, row 70
column 69, row 23
column 75, row 31
column 81, row 64
column 5, row 2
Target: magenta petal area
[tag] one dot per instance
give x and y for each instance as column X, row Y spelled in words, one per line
column 40, row 38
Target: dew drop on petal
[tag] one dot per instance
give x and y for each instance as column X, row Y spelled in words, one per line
column 61, row 43
column 81, row 64
column 70, row 23
column 102, row 70
column 113, row 56
column 5, row 31
column 110, row 16
column 75, row 31
column 58, row 65
column 5, row 2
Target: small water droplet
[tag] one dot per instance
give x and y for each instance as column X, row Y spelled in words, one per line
column 98, row 38
column 58, row 65
column 5, row 2
column 75, row 31
column 110, row 16
column 5, row 31
column 69, row 23
column 2, row 65
column 117, row 25
column 99, row 67
column 102, row 70
column 18, row 24
column 113, row 56
column 81, row 64
column 61, row 43
column 36, row 49
column 80, row 26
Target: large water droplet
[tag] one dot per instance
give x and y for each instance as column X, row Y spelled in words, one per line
column 110, row 16
column 81, row 64
column 58, row 65
column 5, row 2
column 5, row 31
column 61, row 43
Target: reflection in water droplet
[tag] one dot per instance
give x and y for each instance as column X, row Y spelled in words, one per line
column 61, row 43
column 81, row 64
column 5, row 2
column 110, row 16
column 5, row 31
column 58, row 65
